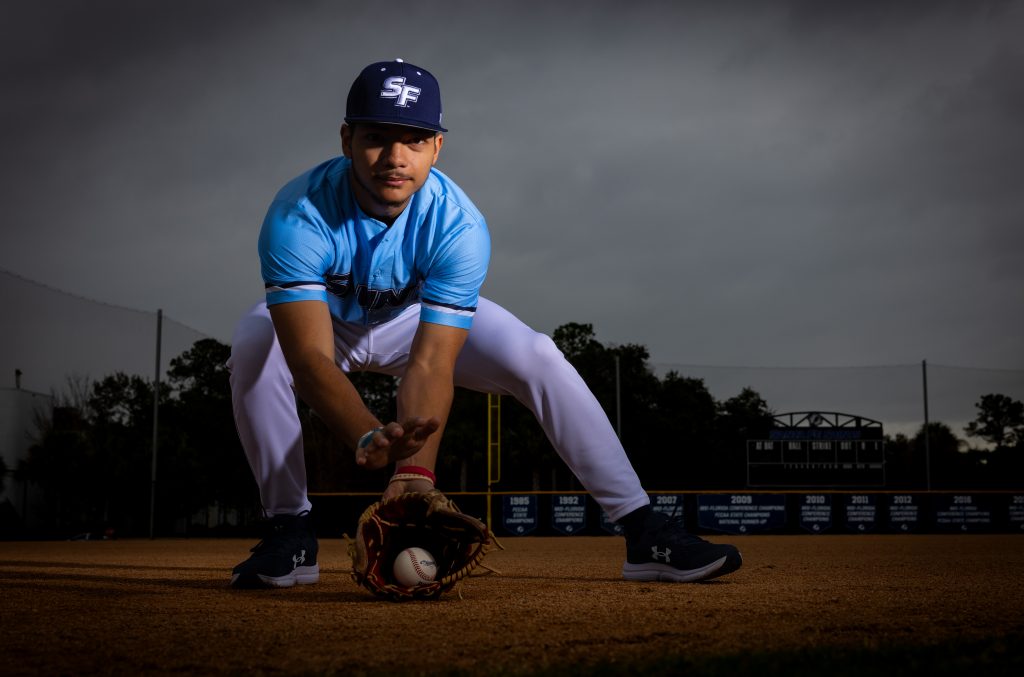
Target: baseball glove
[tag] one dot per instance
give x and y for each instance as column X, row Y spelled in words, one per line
column 427, row 520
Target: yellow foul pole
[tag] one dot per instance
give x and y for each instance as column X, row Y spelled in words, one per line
column 493, row 447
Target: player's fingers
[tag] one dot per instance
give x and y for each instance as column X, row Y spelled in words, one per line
column 366, row 457
column 379, row 442
column 399, row 452
column 393, row 431
column 401, row 487
column 428, row 428
column 421, row 428
column 411, row 424
column 380, row 457
column 376, row 453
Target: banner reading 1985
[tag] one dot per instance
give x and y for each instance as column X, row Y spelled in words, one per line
column 519, row 514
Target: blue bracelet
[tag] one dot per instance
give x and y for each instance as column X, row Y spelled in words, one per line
column 365, row 439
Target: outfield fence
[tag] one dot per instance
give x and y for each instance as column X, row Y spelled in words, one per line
column 56, row 341
column 574, row 513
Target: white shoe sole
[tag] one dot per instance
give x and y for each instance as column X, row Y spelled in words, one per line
column 299, row 575
column 654, row 571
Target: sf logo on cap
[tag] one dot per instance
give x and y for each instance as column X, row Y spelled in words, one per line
column 395, row 88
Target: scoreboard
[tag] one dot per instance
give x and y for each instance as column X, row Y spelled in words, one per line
column 818, row 449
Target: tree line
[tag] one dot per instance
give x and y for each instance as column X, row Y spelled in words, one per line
column 91, row 459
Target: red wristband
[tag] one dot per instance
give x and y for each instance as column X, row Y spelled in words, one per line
column 416, row 470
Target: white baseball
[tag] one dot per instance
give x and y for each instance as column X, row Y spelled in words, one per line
column 415, row 566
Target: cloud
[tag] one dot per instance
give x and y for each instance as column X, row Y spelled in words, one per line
column 798, row 183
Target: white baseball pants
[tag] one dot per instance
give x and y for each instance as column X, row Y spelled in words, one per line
column 501, row 355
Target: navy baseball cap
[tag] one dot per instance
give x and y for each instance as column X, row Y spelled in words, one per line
column 395, row 93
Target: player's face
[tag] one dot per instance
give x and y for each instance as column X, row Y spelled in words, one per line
column 389, row 164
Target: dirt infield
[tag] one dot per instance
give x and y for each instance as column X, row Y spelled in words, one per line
column 162, row 607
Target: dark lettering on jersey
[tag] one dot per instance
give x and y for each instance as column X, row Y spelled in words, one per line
column 371, row 299
column 375, row 299
column 339, row 285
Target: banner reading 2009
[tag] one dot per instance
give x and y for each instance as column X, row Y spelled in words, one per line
column 741, row 513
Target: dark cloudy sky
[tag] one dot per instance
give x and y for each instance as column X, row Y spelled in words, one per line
column 761, row 183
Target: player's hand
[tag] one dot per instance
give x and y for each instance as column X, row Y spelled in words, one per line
column 399, row 487
column 396, row 441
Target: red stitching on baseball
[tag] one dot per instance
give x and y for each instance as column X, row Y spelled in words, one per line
column 419, row 572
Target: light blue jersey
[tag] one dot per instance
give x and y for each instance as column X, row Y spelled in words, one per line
column 317, row 244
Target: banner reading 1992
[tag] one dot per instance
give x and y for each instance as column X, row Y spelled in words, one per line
column 568, row 513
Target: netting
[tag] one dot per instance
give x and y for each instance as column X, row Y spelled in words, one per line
column 50, row 335
column 892, row 394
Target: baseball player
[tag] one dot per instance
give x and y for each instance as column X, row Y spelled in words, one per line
column 373, row 261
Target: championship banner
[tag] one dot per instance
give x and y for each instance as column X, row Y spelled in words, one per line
column 816, row 512
column 669, row 504
column 1015, row 516
column 568, row 513
column 519, row 514
column 861, row 512
column 610, row 526
column 963, row 512
column 741, row 513
column 904, row 512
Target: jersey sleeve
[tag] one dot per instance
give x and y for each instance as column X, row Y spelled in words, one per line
column 451, row 288
column 294, row 255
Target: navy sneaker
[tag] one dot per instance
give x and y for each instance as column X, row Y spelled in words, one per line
column 285, row 556
column 665, row 552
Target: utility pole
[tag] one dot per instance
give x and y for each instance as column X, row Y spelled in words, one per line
column 618, row 400
column 927, row 431
column 156, row 424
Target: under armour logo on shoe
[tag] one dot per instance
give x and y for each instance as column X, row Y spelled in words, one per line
column 301, row 558
column 656, row 554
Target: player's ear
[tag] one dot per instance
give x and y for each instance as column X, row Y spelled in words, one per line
column 346, row 140
column 438, row 142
